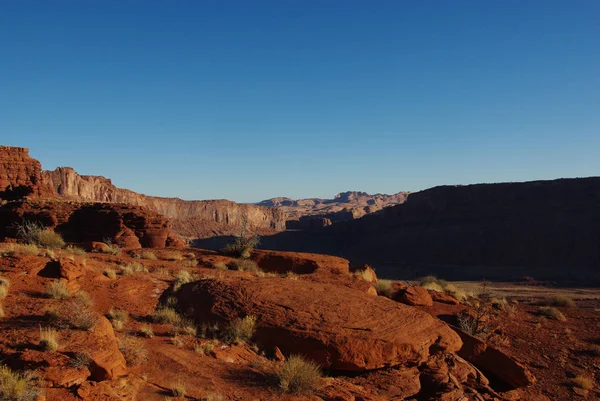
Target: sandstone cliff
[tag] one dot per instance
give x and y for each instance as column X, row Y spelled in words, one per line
column 20, row 175
column 549, row 228
column 190, row 218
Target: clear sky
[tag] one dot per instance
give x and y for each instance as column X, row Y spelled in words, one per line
column 248, row 100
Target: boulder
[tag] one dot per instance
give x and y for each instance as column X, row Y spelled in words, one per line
column 443, row 298
column 62, row 268
column 127, row 239
column 107, row 362
column 415, row 296
column 493, row 362
column 299, row 263
column 340, row 328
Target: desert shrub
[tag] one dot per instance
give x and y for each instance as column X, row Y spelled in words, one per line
column 16, row 386
column 133, row 267
column 133, row 350
column 146, row 331
column 177, row 341
column 47, row 238
column 163, row 271
column 245, row 265
column 80, row 359
column 582, row 382
column 182, row 277
column 299, row 376
column 205, row 348
column 35, row 233
column 189, row 263
column 499, row 303
column 560, row 300
column 365, row 274
column 110, row 273
column 74, row 250
column 172, row 256
column 189, row 330
column 57, row 290
column 384, row 288
column 118, row 315
column 243, row 244
column 83, row 298
column 80, row 317
column 110, row 248
column 23, row 249
column 148, row 255
column 220, row 266
column 178, row 389
column 48, row 339
column 240, row 330
column 166, row 315
column 552, row 313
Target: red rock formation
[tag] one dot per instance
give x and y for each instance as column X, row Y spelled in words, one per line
column 20, row 175
column 126, row 225
column 340, row 328
column 197, row 217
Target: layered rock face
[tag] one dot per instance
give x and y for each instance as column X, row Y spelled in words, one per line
column 197, row 219
column 130, row 226
column 20, row 175
column 541, row 225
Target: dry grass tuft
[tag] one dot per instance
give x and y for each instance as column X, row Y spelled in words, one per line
column 110, row 273
column 384, row 288
column 172, row 256
column 111, row 249
column 299, row 376
column 81, row 359
column 220, row 266
column 48, row 339
column 182, row 277
column 133, row 350
column 189, row 263
column 146, row 331
column 365, row 274
column 57, row 290
column 166, row 315
column 81, row 317
column 178, row 389
column 75, row 250
column 118, row 315
column 148, row 255
column 16, row 386
column 23, row 249
column 552, row 313
column 84, row 298
column 562, row 301
column 133, row 267
column 47, row 238
column 244, row 265
column 240, row 330
column 582, row 383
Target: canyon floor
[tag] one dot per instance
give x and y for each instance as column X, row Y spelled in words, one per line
column 112, row 343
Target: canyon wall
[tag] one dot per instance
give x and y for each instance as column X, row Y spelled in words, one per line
column 190, row 218
column 520, row 227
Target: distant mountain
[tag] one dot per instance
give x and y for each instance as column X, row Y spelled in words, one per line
column 321, row 212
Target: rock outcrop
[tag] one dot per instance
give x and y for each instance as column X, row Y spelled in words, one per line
column 340, row 328
column 545, row 228
column 20, row 175
column 128, row 226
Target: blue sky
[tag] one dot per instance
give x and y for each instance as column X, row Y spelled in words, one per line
column 248, row 100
